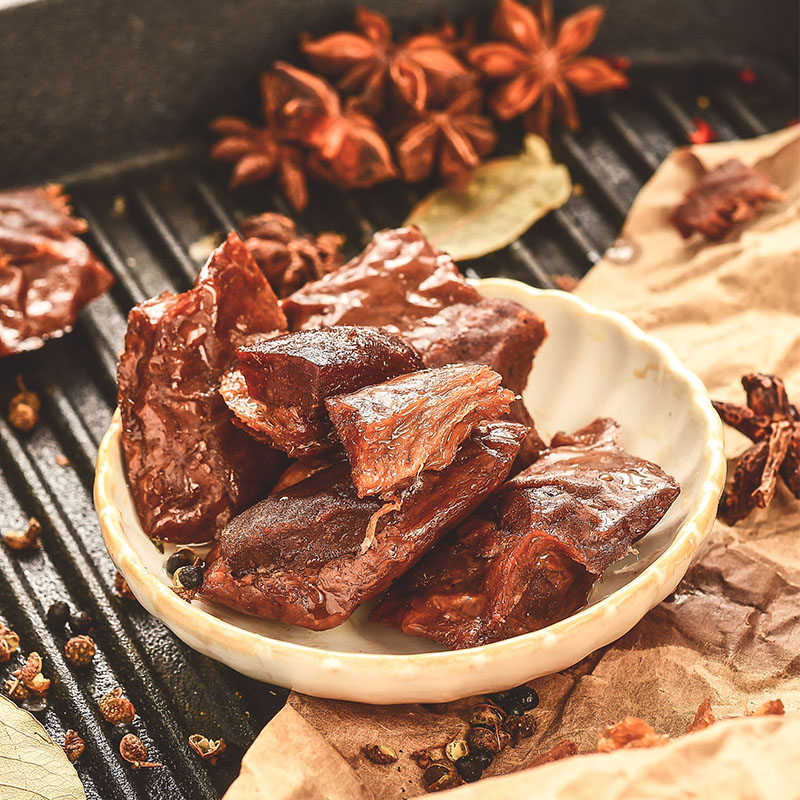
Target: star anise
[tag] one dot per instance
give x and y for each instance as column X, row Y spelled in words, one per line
column 773, row 424
column 371, row 66
column 287, row 259
column 537, row 67
column 346, row 147
column 455, row 139
column 257, row 153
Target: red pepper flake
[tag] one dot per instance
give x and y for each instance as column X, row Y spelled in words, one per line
column 703, row 132
column 748, row 76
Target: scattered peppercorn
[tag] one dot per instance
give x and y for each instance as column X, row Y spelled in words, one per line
column 483, row 758
column 486, row 739
column 23, row 410
column 9, row 643
column 456, row 749
column 379, row 753
column 25, row 540
column 133, row 750
column 58, row 615
column 80, row 650
column 184, row 557
column 188, row 577
column 122, row 589
column 486, row 715
column 208, row 749
column 80, row 622
column 469, row 769
column 116, row 708
column 15, row 688
column 517, row 701
column 31, row 675
column 440, row 776
column 73, row 745
column 519, row 727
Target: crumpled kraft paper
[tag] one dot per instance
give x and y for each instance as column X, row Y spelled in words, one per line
column 730, row 632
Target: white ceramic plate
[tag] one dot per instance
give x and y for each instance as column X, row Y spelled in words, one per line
column 593, row 363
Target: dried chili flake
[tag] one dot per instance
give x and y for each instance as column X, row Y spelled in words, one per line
column 769, row 708
column 772, row 423
column 631, row 732
column 725, row 195
column 703, row 718
column 537, row 67
column 567, row 283
column 703, row 133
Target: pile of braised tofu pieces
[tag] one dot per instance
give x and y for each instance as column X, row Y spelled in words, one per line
column 366, row 435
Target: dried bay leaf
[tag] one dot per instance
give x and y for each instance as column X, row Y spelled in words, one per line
column 32, row 765
column 501, row 200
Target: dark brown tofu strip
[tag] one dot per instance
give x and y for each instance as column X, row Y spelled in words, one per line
column 190, row 469
column 399, row 276
column 278, row 393
column 302, row 369
column 499, row 333
column 529, row 559
column 299, row 555
column 394, row 430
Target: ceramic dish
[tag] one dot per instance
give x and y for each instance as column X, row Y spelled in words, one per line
column 593, row 363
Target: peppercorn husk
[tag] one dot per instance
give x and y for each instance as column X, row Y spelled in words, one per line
column 73, row 746
column 80, row 650
column 123, row 591
column 134, row 751
column 23, row 410
column 31, row 675
column 9, row 643
column 116, row 708
column 208, row 749
column 440, row 776
column 24, row 540
column 379, row 753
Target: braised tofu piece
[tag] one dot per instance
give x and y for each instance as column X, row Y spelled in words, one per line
column 296, row 431
column 484, row 583
column 499, row 333
column 302, row 369
column 278, row 392
column 529, row 559
column 399, row 276
column 311, row 553
column 393, row 431
column 189, row 467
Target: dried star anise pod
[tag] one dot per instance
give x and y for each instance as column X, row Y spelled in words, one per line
column 371, row 66
column 287, row 259
column 453, row 139
column 346, row 146
column 725, row 195
column 773, row 424
column 538, row 67
column 257, row 153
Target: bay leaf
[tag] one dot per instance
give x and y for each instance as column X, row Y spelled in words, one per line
column 32, row 765
column 501, row 200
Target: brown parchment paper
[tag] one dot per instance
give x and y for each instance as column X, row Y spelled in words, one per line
column 730, row 632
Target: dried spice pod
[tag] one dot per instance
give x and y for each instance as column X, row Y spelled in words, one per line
column 208, row 749
column 537, row 68
column 24, row 540
column 379, row 753
column 31, row 675
column 486, row 715
column 73, row 746
column 9, row 643
column 116, row 708
column 23, row 410
column 493, row 740
column 133, row 750
column 772, row 423
column 519, row 727
column 703, row 718
column 15, row 688
column 440, row 776
column 80, row 650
